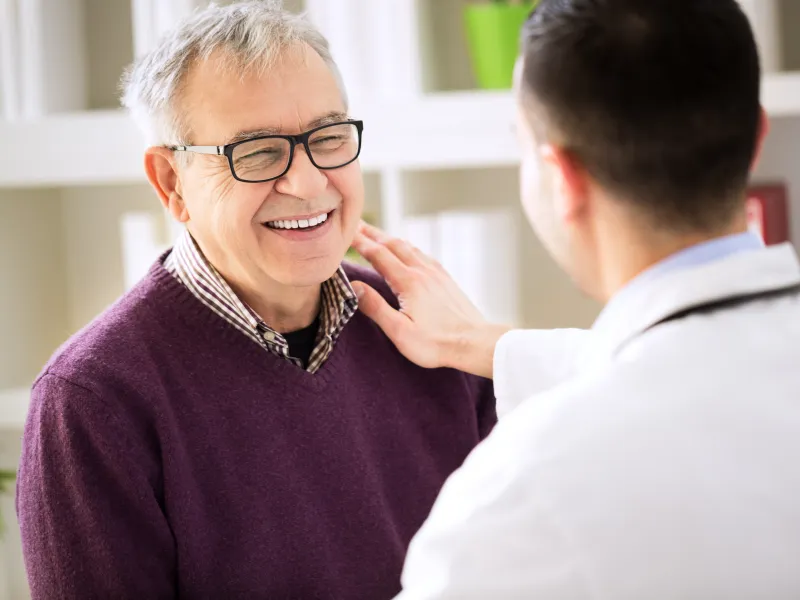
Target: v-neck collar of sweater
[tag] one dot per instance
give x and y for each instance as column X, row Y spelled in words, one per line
column 194, row 312
column 338, row 303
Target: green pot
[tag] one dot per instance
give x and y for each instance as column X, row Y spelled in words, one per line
column 493, row 35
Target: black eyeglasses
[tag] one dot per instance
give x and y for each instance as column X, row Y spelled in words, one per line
column 269, row 157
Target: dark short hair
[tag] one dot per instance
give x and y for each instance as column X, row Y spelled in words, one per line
column 657, row 99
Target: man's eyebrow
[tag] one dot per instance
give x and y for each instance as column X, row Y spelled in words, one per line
column 248, row 134
column 331, row 117
column 327, row 119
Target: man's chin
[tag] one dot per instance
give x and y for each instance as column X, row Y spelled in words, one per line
column 310, row 272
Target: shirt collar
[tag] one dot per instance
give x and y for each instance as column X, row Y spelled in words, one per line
column 338, row 304
column 709, row 271
column 699, row 254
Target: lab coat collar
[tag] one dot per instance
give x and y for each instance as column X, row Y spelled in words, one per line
column 630, row 313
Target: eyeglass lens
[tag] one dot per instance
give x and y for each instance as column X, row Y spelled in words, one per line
column 267, row 158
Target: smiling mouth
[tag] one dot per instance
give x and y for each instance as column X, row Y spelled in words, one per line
column 300, row 224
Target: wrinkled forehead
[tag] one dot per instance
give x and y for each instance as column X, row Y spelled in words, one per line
column 223, row 103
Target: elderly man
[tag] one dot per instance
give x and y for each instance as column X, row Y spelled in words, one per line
column 233, row 427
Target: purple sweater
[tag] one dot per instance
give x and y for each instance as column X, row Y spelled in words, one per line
column 166, row 455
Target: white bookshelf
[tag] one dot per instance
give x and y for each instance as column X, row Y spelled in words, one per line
column 104, row 146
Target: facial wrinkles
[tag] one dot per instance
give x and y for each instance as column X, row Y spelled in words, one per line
column 194, row 179
column 221, row 191
column 298, row 121
column 214, row 168
column 223, row 186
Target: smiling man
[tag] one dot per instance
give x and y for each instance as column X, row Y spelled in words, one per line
column 234, row 427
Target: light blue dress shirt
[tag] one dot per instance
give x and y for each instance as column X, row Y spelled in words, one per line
column 696, row 255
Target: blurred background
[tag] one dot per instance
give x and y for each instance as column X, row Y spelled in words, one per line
column 430, row 78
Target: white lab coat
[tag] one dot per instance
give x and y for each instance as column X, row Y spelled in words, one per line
column 659, row 464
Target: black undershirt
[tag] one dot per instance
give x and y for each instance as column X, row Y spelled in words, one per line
column 301, row 342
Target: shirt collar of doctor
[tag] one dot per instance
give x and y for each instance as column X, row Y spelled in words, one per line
column 706, row 272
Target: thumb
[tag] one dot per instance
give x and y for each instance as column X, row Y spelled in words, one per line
column 371, row 303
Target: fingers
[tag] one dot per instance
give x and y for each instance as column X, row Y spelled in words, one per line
column 371, row 232
column 404, row 251
column 391, row 268
column 393, row 323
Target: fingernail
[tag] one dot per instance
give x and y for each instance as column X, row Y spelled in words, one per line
column 358, row 289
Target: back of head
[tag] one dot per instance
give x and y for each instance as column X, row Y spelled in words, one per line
column 657, row 99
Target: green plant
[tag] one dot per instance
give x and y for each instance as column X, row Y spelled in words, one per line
column 492, row 32
column 6, row 479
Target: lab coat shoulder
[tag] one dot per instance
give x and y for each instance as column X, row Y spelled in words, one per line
column 530, row 361
column 543, row 508
column 496, row 530
column 504, row 525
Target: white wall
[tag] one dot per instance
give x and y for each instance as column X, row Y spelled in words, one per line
column 32, row 283
column 92, row 244
column 109, row 49
column 445, row 61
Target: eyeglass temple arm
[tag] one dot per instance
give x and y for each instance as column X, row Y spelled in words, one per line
column 200, row 149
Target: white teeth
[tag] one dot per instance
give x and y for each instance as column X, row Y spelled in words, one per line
column 298, row 224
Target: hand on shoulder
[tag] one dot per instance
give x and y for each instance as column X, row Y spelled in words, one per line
column 436, row 324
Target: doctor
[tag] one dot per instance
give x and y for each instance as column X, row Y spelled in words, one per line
column 656, row 455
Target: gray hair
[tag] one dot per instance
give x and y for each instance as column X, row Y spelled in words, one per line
column 252, row 35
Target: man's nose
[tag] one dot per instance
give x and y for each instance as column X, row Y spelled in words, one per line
column 303, row 179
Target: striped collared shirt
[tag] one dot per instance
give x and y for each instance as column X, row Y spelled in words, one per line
column 187, row 263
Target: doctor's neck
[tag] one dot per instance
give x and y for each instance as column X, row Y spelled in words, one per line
column 626, row 246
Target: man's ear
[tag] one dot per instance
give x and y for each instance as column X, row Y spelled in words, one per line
column 162, row 172
column 763, row 131
column 571, row 184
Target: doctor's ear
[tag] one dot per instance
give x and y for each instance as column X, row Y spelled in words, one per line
column 161, row 168
column 570, row 180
